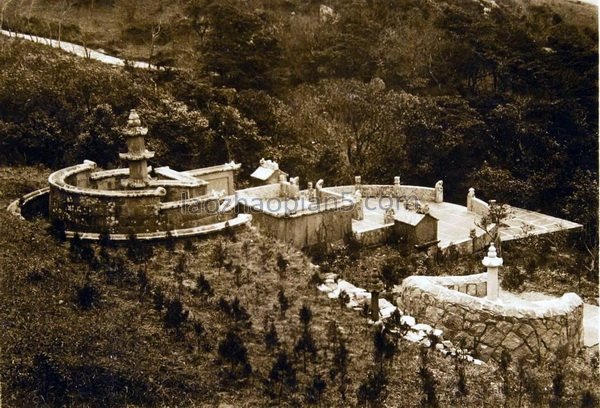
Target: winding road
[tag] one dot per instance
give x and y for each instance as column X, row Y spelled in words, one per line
column 80, row 50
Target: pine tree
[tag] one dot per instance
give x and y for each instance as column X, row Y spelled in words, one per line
column 428, row 384
column 315, row 390
column 282, row 264
column 306, row 345
column 233, row 351
column 284, row 302
column 305, row 315
column 218, row 254
column 282, row 376
column 340, row 359
column 271, row 337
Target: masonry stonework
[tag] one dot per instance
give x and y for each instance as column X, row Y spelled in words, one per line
column 455, row 304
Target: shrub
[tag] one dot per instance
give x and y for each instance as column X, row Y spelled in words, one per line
column 373, row 389
column 158, row 299
column 513, row 279
column 392, row 271
column 318, row 253
column 175, row 315
column 48, row 380
column 57, row 230
column 87, row 296
column 589, row 399
column 343, row 298
column 203, row 286
column 282, row 264
column 316, row 279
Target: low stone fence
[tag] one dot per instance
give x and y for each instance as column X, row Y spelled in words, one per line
column 524, row 328
column 383, row 190
column 479, row 207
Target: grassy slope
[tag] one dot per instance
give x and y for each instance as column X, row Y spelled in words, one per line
column 120, row 353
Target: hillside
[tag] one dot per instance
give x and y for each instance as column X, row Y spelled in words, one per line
column 503, row 99
column 82, row 332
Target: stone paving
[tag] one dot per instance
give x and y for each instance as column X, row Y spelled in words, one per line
column 455, row 221
column 539, row 224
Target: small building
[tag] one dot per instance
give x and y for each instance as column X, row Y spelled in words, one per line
column 267, row 173
column 416, row 228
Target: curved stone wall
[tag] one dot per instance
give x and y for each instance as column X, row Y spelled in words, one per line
column 525, row 329
column 76, row 200
column 31, row 204
column 82, row 208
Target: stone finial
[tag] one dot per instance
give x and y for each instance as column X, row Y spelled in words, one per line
column 357, row 180
column 397, row 180
column 134, row 119
column 134, row 125
column 492, row 260
column 269, row 164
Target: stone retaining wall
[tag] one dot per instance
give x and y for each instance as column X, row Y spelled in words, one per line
column 375, row 236
column 471, row 245
column 304, row 228
column 525, row 329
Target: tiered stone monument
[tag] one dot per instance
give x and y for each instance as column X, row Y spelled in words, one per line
column 137, row 155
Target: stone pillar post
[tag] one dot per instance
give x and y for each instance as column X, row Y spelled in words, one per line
column 375, row 305
column 312, row 194
column 439, row 192
column 470, row 197
column 396, row 190
column 358, row 206
column 493, row 263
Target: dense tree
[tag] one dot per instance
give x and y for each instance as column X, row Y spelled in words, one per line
column 239, row 47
